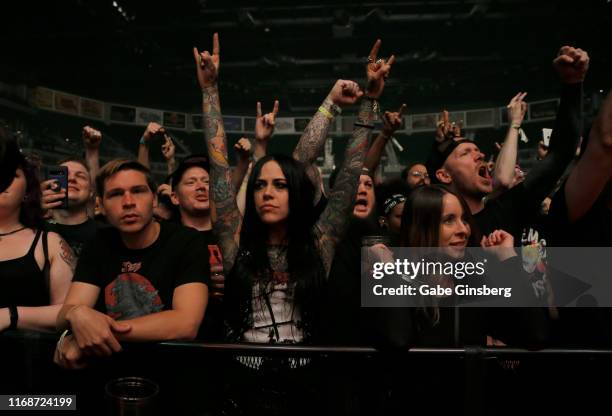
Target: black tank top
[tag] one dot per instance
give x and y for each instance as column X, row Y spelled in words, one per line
column 22, row 283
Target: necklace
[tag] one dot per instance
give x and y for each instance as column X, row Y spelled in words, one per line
column 12, row 232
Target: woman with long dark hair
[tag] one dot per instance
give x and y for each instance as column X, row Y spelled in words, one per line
column 279, row 254
column 435, row 216
column 35, row 267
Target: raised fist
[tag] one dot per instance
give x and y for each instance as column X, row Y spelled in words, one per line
column 572, row 64
column 345, row 93
column 243, row 148
column 91, row 137
column 152, row 130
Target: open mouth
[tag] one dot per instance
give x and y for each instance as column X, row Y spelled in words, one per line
column 361, row 202
column 483, row 172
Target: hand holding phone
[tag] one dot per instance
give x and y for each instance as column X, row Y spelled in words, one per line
column 55, row 188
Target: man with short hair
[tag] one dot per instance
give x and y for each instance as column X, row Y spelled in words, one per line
column 138, row 280
column 190, row 193
column 458, row 162
column 73, row 223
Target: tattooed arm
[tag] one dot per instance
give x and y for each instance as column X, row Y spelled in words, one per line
column 333, row 221
column 226, row 217
column 312, row 141
column 43, row 318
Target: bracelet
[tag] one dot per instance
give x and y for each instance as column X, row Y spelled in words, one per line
column 367, row 126
column 326, row 113
column 516, row 126
column 142, row 140
column 14, row 317
column 60, row 343
column 375, row 107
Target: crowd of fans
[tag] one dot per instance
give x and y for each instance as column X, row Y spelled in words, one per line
column 263, row 252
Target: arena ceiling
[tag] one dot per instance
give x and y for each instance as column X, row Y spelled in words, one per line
column 449, row 53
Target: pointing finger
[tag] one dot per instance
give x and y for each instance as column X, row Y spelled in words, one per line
column 216, row 48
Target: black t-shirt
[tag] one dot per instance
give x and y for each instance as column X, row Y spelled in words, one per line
column 511, row 211
column 593, row 229
column 581, row 326
column 139, row 282
column 77, row 236
column 517, row 212
column 345, row 318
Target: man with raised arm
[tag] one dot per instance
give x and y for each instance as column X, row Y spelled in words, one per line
column 73, row 222
column 460, row 164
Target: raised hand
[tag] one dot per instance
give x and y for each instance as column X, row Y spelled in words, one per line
column 377, row 71
column 572, row 64
column 152, row 130
column 393, row 121
column 264, row 123
column 517, row 109
column 207, row 65
column 345, row 93
column 91, row 137
column 243, row 148
column 499, row 243
column 168, row 148
column 164, row 189
column 445, row 129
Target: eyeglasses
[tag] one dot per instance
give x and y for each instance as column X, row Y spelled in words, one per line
column 417, row 174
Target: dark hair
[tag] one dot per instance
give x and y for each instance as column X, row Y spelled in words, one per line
column 406, row 171
column 423, row 213
column 118, row 165
column 196, row 160
column 31, row 214
column 252, row 264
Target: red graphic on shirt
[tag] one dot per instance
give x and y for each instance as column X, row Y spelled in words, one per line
column 216, row 259
column 131, row 295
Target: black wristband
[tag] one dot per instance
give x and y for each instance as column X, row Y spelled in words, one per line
column 14, row 316
column 367, row 126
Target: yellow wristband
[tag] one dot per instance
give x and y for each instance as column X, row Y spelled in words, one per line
column 326, row 112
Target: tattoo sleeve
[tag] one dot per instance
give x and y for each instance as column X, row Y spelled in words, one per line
column 227, row 219
column 332, row 224
column 311, row 143
column 67, row 255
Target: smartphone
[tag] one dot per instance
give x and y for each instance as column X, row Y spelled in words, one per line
column 60, row 175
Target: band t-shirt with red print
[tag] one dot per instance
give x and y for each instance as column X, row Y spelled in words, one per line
column 139, row 282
